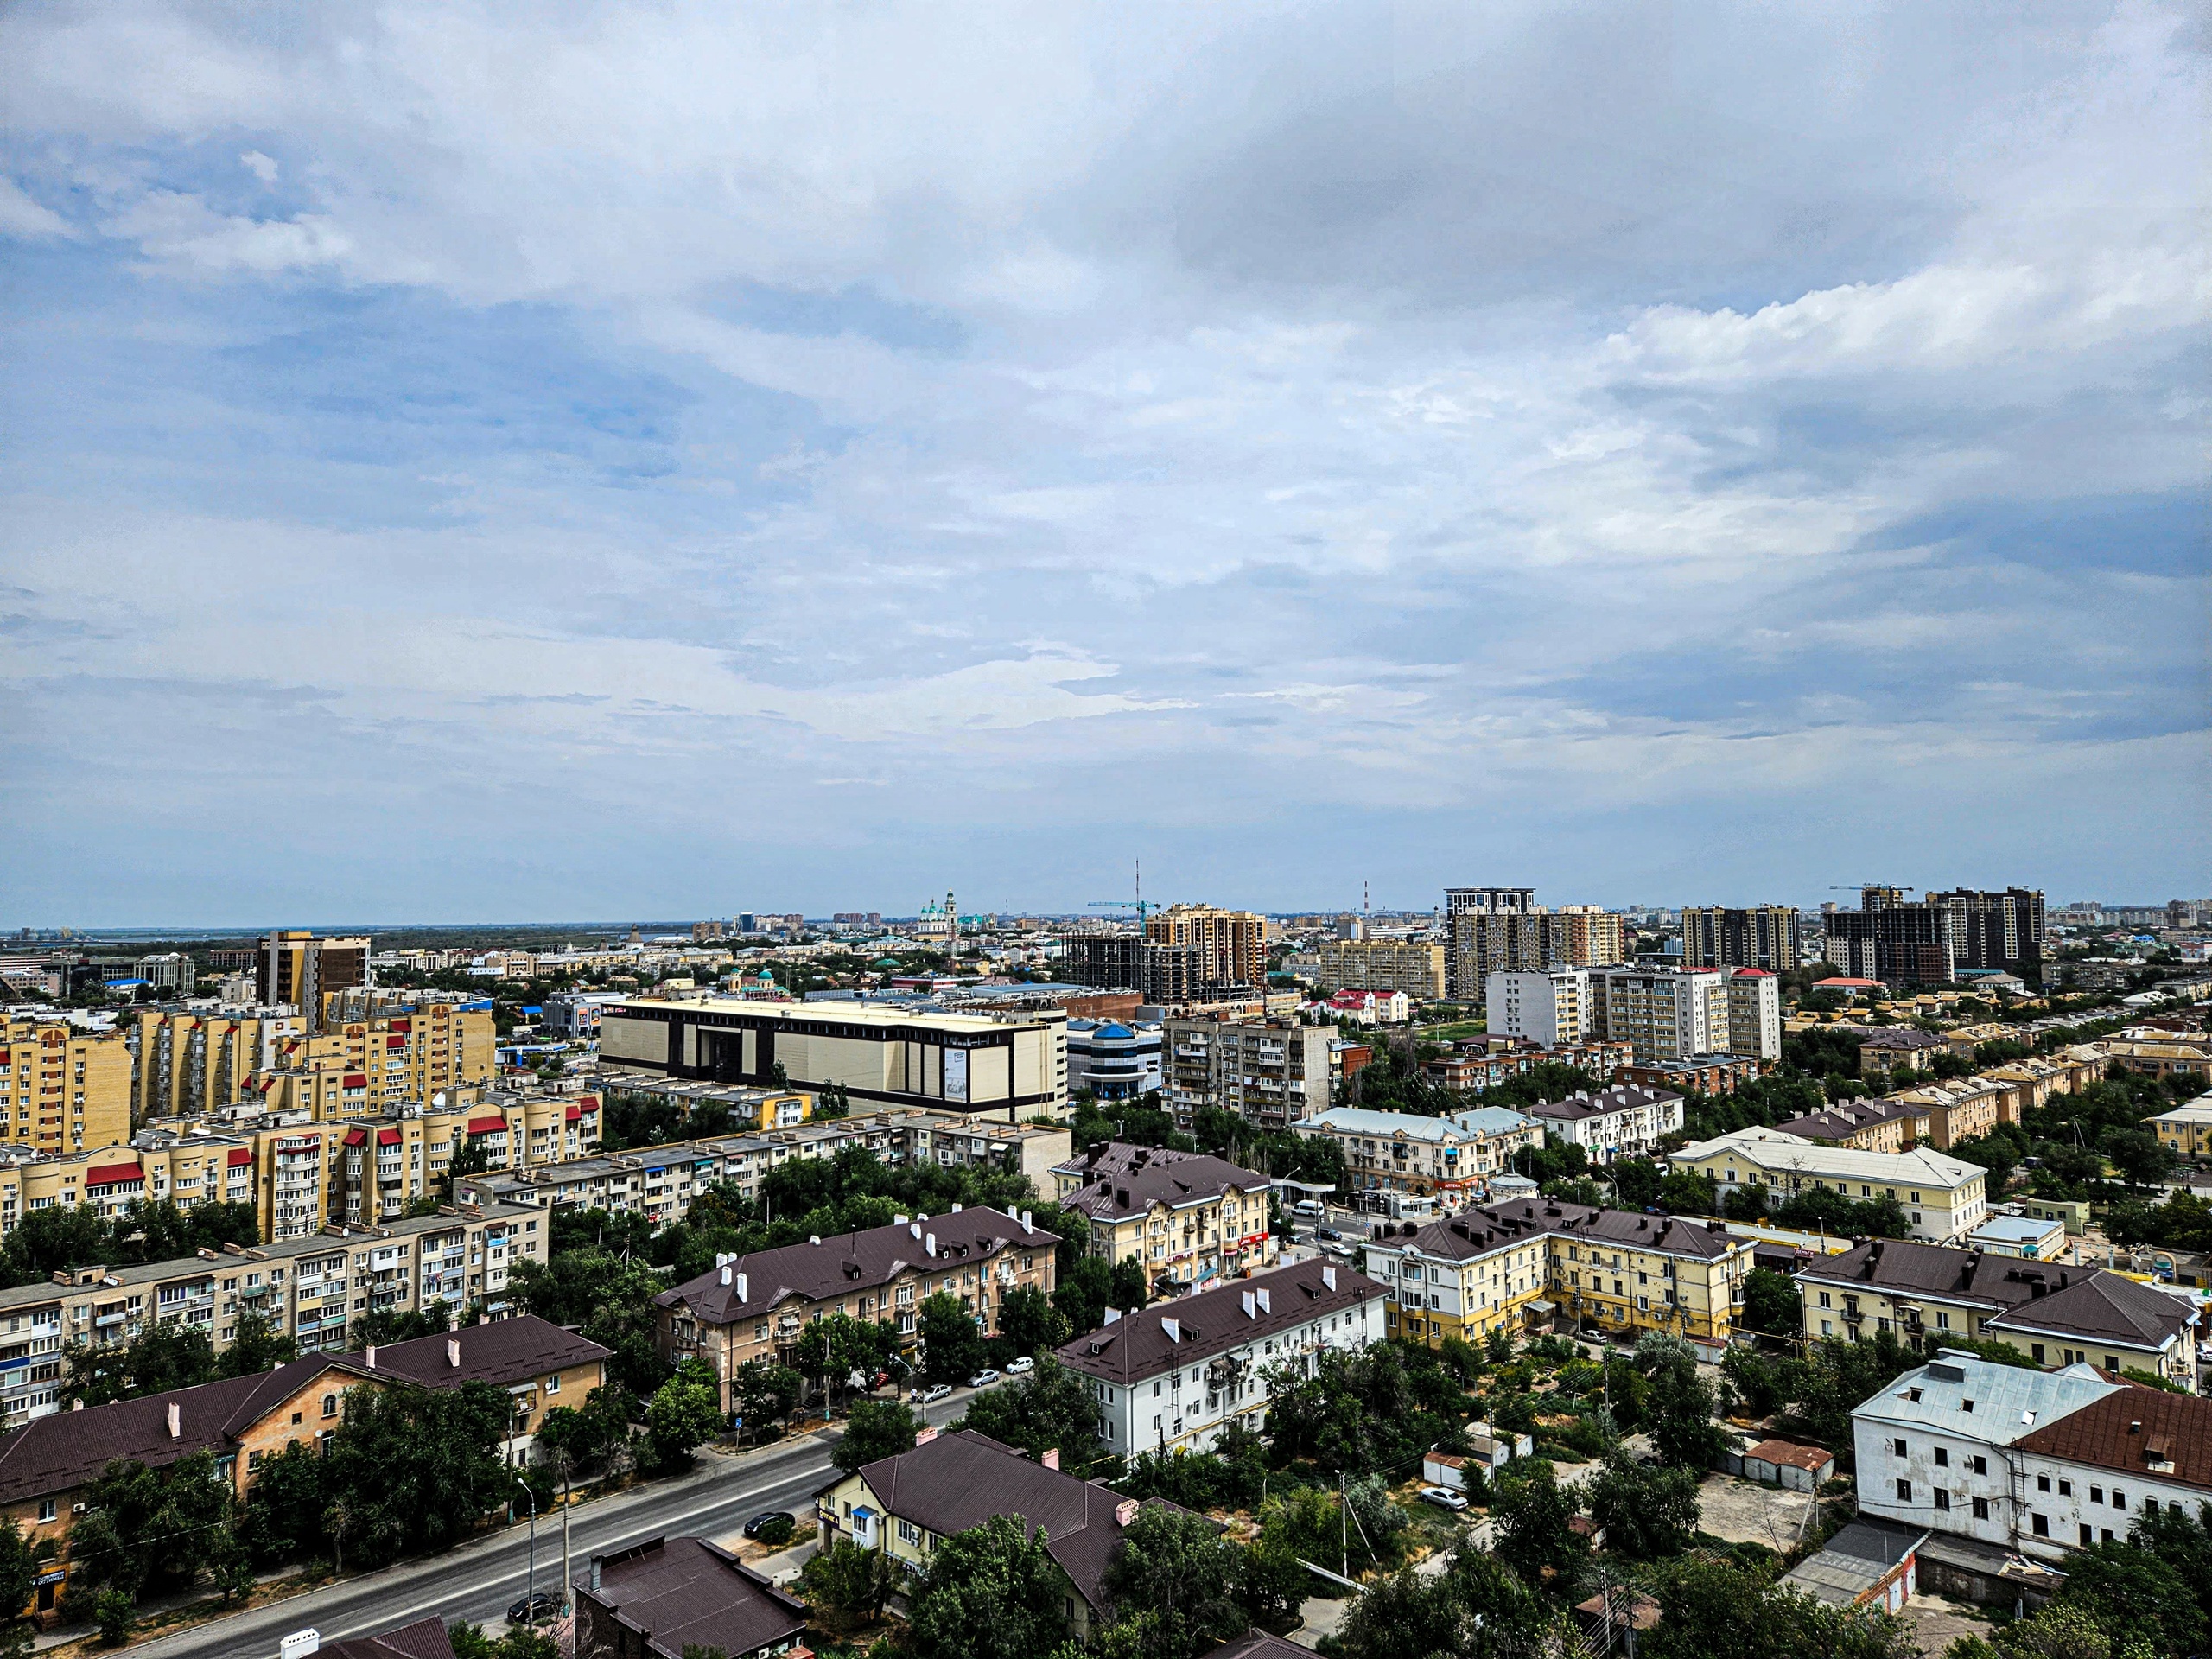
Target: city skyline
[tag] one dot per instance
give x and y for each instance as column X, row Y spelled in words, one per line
column 464, row 470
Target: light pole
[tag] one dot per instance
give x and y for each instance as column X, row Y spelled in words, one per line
column 530, row 1581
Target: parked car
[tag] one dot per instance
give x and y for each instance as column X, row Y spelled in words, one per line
column 1021, row 1367
column 935, row 1392
column 765, row 1519
column 535, row 1609
column 1444, row 1497
column 983, row 1379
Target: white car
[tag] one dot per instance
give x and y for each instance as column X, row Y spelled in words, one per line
column 1444, row 1497
column 983, row 1379
column 935, row 1392
column 1021, row 1367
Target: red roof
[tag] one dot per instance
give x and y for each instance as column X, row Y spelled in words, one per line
column 357, row 1080
column 238, row 1155
column 356, row 1137
column 395, row 1042
column 493, row 1123
column 111, row 1174
column 1754, row 973
column 574, row 1112
column 1838, row 984
column 387, row 1137
column 402, row 1024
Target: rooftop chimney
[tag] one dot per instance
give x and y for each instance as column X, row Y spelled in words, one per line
column 372, row 1356
column 956, row 1209
column 1329, row 1277
column 930, row 1244
column 914, row 1227
column 176, row 1420
column 1251, row 1307
column 1026, row 1225
column 1125, row 1512
column 741, row 1296
column 726, row 1274
column 1052, row 1458
column 923, row 1437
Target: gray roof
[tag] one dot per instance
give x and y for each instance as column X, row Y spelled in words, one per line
column 1120, row 1180
column 1855, row 1560
column 1621, row 1098
column 1493, row 1226
column 1138, row 1345
column 2087, row 1304
column 1960, row 1393
column 852, row 1261
column 2104, row 1308
column 678, row 1592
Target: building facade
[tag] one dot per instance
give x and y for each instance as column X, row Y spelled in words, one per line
column 1759, row 936
column 1552, row 1008
column 1626, row 1120
column 1112, row 1060
column 1413, row 966
column 1754, row 1015
column 1943, row 1198
column 1450, row 1157
column 1494, row 930
column 1273, row 1073
column 1188, row 1219
column 1664, row 1013
column 62, row 1088
column 297, row 969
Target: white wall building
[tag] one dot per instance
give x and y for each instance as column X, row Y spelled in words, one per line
column 1550, row 1009
column 1173, row 1375
column 1754, row 1014
column 1943, row 1196
column 1626, row 1120
column 1664, row 1013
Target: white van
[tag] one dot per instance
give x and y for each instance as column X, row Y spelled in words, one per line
column 1309, row 1207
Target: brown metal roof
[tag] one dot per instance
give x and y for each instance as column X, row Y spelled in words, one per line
column 1120, row 1180
column 1789, row 1452
column 2127, row 1430
column 425, row 1638
column 1138, row 1345
column 852, row 1261
column 679, row 1592
column 1493, row 1226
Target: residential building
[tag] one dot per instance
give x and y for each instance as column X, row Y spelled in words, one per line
column 1890, row 939
column 2152, row 1058
column 1943, row 1198
column 908, row 1505
column 2021, row 1235
column 1995, row 931
column 1759, row 936
column 1012, row 1064
column 1490, row 930
column 1370, row 1007
column 574, row 1014
column 1504, row 1265
column 1229, row 947
column 425, row 1638
column 1187, row 1216
column 362, row 1068
column 297, row 969
column 2187, row 1129
column 1172, row 1377
column 1754, row 1015
column 1476, row 1065
column 62, row 1088
column 1664, row 1013
column 1273, row 1073
column 1413, row 966
column 1626, row 1120
column 2035, row 1463
column 309, row 1289
column 2055, row 1315
column 1450, row 1157
column 1112, row 1060
column 668, row 1596
column 1961, row 1109
column 1868, row 1125
column 754, row 1305
column 1551, row 1008
column 1884, row 1049
column 1699, row 1074
column 186, row 1063
column 243, row 1420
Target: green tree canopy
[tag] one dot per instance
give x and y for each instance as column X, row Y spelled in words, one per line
column 991, row 1592
column 875, row 1428
column 1051, row 1406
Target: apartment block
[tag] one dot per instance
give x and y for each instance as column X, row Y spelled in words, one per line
column 187, row 1062
column 1759, row 936
column 297, row 970
column 1273, row 1073
column 62, row 1089
column 1626, row 1120
column 1664, row 1013
column 1476, row 1064
column 1551, row 1008
column 1451, row 1158
column 307, row 1289
column 1754, row 1014
column 1494, row 930
column 1014, row 1065
column 754, row 1305
column 1185, row 1218
column 365, row 1068
column 1231, row 946
column 1522, row 1263
column 1943, row 1196
column 1412, row 966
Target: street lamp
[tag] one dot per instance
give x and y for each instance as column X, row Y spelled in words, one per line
column 530, row 1581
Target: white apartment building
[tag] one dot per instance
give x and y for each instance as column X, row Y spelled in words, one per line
column 1551, row 1009
column 1172, row 1377
column 1664, row 1013
column 1626, row 1120
column 1754, row 1014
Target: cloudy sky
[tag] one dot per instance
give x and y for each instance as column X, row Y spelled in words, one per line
column 472, row 462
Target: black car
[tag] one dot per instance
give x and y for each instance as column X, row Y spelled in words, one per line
column 535, row 1609
column 761, row 1522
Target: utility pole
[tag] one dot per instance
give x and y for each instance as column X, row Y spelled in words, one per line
column 529, row 1582
column 568, row 1596
column 1343, row 1529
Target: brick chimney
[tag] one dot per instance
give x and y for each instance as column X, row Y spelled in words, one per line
column 1050, row 1460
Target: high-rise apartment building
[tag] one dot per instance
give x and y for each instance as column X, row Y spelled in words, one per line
column 1926, row 941
column 1999, row 930
column 1232, row 945
column 188, row 1064
column 1500, row 930
column 1188, row 953
column 1272, row 1072
column 1409, row 965
column 62, row 1089
column 1664, row 1013
column 1754, row 1014
column 1551, row 1008
column 1760, row 936
column 297, row 969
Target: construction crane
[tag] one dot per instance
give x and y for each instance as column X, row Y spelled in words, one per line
column 1137, row 904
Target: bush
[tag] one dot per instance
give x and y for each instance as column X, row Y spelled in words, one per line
column 777, row 1533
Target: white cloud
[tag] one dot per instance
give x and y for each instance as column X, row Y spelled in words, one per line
column 30, row 220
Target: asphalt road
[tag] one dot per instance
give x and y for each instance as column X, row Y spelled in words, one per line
column 482, row 1580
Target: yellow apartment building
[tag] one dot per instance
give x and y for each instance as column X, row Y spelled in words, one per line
column 62, row 1089
column 1408, row 965
column 191, row 1063
column 1527, row 1261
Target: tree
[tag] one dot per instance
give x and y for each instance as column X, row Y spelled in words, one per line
column 991, row 1592
column 684, row 1412
column 608, row 1299
column 1051, row 1406
column 412, row 1471
column 1530, row 1515
column 20, row 1560
column 1175, row 1569
column 1028, row 1323
column 168, row 1356
column 258, row 1346
column 1771, row 1304
column 876, row 1428
column 1710, row 1606
column 765, row 1392
column 2136, row 1598
column 282, row 1518
column 952, row 1347
column 1477, row 1608
column 1680, row 1406
column 840, row 1345
column 1647, row 1511
column 847, row 1584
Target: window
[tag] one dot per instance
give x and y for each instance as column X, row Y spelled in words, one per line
column 2066, row 1489
column 2043, row 1482
column 1981, row 1508
column 909, row 1533
column 2112, row 1362
column 2096, row 1494
column 2088, row 1537
column 1981, row 1464
column 330, row 1405
column 1942, row 1498
column 1942, row 1458
column 2119, row 1498
column 1905, row 1492
column 49, row 1508
column 1897, row 1449
column 553, row 1383
column 2034, row 1352
column 2040, row 1525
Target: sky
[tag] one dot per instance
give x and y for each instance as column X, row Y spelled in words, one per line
column 464, row 462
